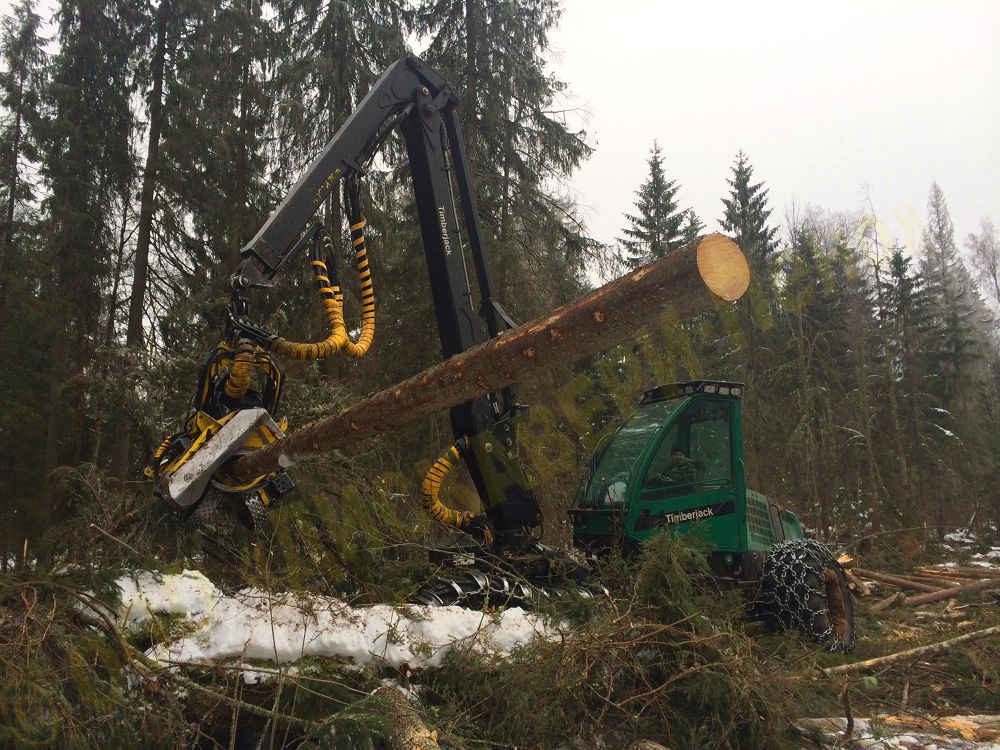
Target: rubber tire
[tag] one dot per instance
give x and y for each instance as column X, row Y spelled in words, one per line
column 803, row 587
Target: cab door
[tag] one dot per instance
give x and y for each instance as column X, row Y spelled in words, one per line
column 691, row 479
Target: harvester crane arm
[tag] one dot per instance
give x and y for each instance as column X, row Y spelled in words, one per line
column 414, row 99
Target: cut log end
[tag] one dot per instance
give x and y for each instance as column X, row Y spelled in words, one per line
column 723, row 267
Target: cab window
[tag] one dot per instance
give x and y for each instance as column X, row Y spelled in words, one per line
column 695, row 454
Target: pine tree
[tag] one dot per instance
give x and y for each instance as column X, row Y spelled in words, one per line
column 658, row 227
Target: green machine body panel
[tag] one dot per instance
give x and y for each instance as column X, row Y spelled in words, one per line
column 635, row 483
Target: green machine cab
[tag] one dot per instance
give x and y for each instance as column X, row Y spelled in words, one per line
column 677, row 463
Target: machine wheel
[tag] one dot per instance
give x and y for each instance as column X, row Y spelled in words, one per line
column 803, row 587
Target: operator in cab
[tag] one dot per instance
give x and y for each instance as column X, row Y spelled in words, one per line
column 681, row 470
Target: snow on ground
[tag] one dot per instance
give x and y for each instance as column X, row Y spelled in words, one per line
column 282, row 628
column 912, row 732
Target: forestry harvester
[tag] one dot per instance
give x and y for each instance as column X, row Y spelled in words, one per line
column 676, row 464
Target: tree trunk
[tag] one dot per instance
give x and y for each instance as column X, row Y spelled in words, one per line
column 137, row 298
column 679, row 286
column 109, row 330
column 8, row 229
column 471, row 124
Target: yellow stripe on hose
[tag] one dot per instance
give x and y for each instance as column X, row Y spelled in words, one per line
column 358, row 348
column 431, row 487
column 238, row 381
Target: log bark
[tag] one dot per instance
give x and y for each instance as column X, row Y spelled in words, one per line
column 692, row 281
column 891, row 601
column 898, row 581
column 978, row 572
column 913, row 653
column 932, row 577
column 951, row 593
column 940, row 581
column 408, row 730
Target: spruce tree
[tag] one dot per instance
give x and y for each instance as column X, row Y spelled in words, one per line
column 88, row 163
column 22, row 83
column 955, row 307
column 25, row 323
column 159, row 27
column 907, row 323
column 693, row 227
column 519, row 146
column 746, row 217
column 658, row 227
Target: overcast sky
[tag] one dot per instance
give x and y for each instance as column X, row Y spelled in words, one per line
column 828, row 101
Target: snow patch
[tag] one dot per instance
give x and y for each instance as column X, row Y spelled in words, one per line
column 961, row 535
column 284, row 627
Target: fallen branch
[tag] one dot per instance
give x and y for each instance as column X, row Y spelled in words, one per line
column 951, row 593
column 913, row 653
column 899, row 582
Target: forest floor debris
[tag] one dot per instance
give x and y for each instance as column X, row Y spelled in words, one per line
column 910, row 732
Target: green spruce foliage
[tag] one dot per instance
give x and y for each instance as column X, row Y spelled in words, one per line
column 746, row 217
column 658, row 226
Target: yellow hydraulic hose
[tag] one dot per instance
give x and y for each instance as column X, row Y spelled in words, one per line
column 352, row 349
column 244, row 363
column 333, row 306
column 431, row 488
column 334, row 342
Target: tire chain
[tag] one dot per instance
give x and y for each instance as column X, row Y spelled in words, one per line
column 787, row 591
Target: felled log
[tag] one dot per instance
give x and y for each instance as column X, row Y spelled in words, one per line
column 855, row 584
column 951, row 593
column 408, row 731
column 964, row 573
column 940, row 581
column 945, row 580
column 898, row 581
column 913, row 653
column 691, row 281
column 890, row 601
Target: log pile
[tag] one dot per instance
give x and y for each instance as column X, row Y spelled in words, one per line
column 928, row 584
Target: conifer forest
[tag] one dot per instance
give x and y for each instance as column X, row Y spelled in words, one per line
column 142, row 147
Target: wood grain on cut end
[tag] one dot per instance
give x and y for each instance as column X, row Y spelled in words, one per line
column 723, row 267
